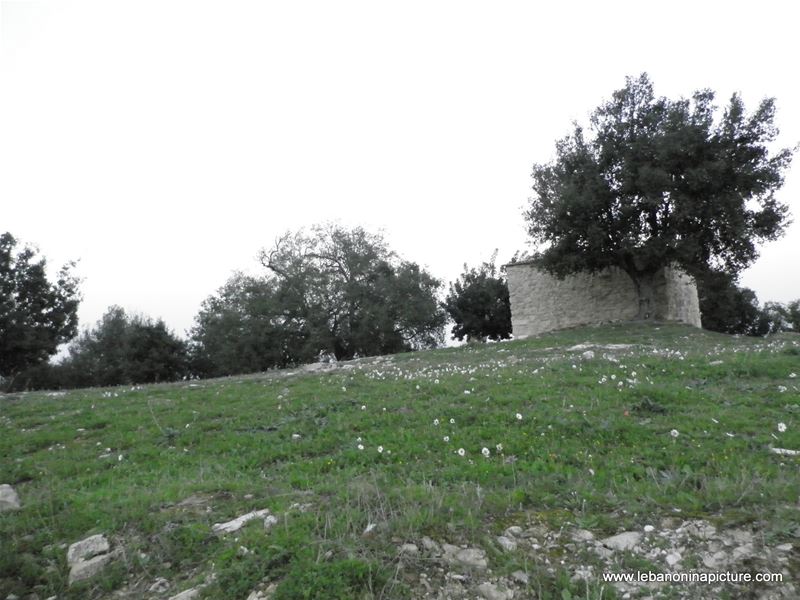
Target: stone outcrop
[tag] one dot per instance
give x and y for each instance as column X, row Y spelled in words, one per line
column 87, row 558
column 9, row 500
column 541, row 302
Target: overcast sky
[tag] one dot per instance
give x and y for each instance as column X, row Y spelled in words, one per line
column 164, row 143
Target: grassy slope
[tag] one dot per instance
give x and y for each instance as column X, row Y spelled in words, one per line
column 229, row 442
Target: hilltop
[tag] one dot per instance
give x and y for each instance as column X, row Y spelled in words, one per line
column 520, row 469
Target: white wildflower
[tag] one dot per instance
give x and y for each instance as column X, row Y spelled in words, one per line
column 436, row 422
column 461, row 452
column 499, row 447
column 446, row 438
column 363, row 407
column 519, row 417
column 485, row 452
column 380, row 449
column 674, row 433
column 361, row 446
column 452, row 421
column 781, row 427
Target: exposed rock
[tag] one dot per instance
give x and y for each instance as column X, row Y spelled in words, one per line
column 189, row 594
column 513, row 531
column 785, row 452
column 700, row 529
column 743, row 552
column 159, row 586
column 583, row 573
column 582, row 535
column 269, row 521
column 627, row 540
column 409, row 549
column 430, row 545
column 588, row 355
column 9, row 500
column 520, row 577
column 673, row 558
column 87, row 548
column 85, row 569
column 714, row 560
column 506, row 543
column 87, row 557
column 469, row 557
column 239, row 522
column 492, row 592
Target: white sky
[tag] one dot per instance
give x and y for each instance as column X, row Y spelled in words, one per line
column 163, row 143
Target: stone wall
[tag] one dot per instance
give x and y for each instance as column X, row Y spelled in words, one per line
column 541, row 302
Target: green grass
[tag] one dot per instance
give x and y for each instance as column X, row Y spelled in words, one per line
column 585, row 454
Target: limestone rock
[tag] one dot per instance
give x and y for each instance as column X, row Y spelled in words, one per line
column 506, row 543
column 430, row 545
column 269, row 521
column 520, row 577
column 582, row 535
column 513, row 531
column 189, row 594
column 87, row 548
column 85, row 569
column 673, row 558
column 468, row 557
column 239, row 522
column 159, row 586
column 8, row 498
column 409, row 549
column 627, row 540
column 492, row 592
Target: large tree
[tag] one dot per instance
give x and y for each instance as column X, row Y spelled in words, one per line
column 657, row 182
column 243, row 329
column 124, row 349
column 36, row 315
column 330, row 291
column 352, row 296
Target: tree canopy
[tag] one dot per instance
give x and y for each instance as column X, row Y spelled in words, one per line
column 36, row 315
column 478, row 303
column 124, row 349
column 328, row 291
column 657, row 182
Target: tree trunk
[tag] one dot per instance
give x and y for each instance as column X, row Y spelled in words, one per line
column 645, row 292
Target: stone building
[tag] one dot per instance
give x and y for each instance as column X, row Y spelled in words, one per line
column 541, row 302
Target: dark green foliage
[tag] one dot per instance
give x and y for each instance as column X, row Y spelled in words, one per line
column 728, row 308
column 124, row 349
column 332, row 292
column 352, row 295
column 659, row 182
column 478, row 304
column 121, row 349
column 35, row 314
column 244, row 329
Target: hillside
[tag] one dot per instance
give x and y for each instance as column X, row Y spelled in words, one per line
column 523, row 469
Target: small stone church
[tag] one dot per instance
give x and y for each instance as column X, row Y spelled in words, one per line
column 541, row 302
